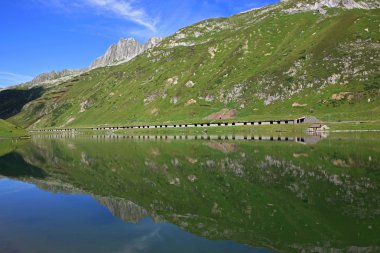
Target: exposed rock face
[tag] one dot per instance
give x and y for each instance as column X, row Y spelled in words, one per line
column 152, row 42
column 172, row 81
column 191, row 102
column 342, row 96
column 223, row 114
column 55, row 74
column 124, row 51
column 312, row 120
column 319, row 5
column 296, row 104
column 51, row 76
column 190, row 84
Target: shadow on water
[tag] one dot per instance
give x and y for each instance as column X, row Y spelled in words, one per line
column 13, row 100
column 279, row 195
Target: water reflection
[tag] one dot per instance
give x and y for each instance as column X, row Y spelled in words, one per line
column 278, row 195
column 310, row 138
column 46, row 222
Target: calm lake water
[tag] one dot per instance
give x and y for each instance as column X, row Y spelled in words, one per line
column 123, row 195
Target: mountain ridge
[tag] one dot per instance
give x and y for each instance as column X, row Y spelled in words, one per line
column 320, row 5
column 128, row 48
column 121, row 52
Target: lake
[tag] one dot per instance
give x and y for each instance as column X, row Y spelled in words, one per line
column 154, row 194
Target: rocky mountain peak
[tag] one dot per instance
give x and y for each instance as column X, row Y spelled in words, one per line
column 54, row 76
column 123, row 51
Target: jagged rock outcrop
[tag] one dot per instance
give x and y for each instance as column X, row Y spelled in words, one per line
column 319, row 5
column 152, row 42
column 124, row 51
column 53, row 77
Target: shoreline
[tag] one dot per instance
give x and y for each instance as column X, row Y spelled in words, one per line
column 15, row 137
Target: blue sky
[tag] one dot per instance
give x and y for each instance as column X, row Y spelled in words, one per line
column 43, row 35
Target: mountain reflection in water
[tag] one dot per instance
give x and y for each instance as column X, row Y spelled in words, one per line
column 283, row 196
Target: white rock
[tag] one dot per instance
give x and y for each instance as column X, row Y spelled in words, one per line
column 174, row 100
column 190, row 84
column 123, row 51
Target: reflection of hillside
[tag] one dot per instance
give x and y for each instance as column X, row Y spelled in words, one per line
column 274, row 195
column 345, row 189
column 54, row 186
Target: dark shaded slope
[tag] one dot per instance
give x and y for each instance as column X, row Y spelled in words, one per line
column 13, row 100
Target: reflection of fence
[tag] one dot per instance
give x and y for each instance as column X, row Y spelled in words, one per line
column 304, row 140
column 192, row 125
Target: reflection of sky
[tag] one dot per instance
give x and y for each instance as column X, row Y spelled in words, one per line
column 32, row 220
column 10, row 187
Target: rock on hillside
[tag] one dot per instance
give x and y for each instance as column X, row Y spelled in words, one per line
column 310, row 5
column 124, row 51
column 152, row 42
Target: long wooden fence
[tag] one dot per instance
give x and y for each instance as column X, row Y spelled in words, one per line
column 191, row 125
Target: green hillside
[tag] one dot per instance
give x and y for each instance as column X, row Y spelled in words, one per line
column 272, row 63
column 7, row 130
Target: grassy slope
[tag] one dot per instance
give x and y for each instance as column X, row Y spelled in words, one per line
column 258, row 56
column 7, row 130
